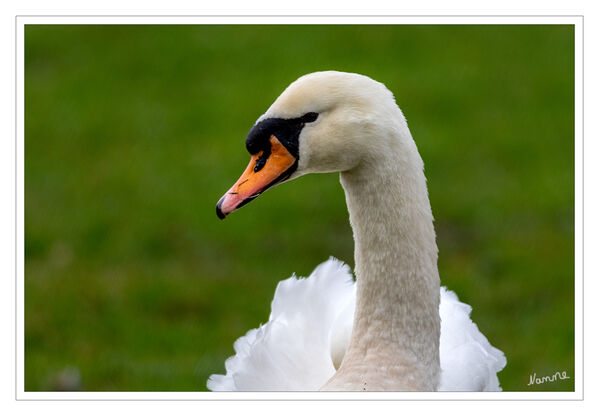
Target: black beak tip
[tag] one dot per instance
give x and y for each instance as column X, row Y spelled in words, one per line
column 219, row 212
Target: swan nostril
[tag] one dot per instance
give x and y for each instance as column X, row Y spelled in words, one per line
column 260, row 163
column 263, row 157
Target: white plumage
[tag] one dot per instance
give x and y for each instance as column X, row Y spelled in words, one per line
column 293, row 350
column 308, row 330
column 396, row 328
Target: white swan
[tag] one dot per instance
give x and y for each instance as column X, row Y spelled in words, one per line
column 394, row 329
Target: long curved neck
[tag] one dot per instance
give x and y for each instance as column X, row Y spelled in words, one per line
column 395, row 337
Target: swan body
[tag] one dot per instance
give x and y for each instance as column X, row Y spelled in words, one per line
column 305, row 338
column 395, row 328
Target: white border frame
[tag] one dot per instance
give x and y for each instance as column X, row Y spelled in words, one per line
column 21, row 21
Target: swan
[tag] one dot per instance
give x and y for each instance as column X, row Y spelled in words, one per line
column 392, row 329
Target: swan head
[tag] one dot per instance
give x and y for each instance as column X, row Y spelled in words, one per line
column 323, row 122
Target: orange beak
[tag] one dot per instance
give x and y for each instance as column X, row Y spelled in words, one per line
column 257, row 178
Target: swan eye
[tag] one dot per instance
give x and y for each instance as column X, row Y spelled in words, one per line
column 309, row 117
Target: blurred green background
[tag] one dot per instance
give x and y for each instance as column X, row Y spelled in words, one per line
column 132, row 134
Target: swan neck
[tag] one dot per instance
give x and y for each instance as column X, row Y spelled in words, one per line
column 396, row 321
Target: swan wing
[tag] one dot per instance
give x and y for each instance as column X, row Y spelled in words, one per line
column 468, row 361
column 294, row 350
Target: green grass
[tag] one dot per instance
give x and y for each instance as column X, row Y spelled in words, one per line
column 132, row 133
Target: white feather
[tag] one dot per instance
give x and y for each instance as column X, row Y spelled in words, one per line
column 308, row 331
